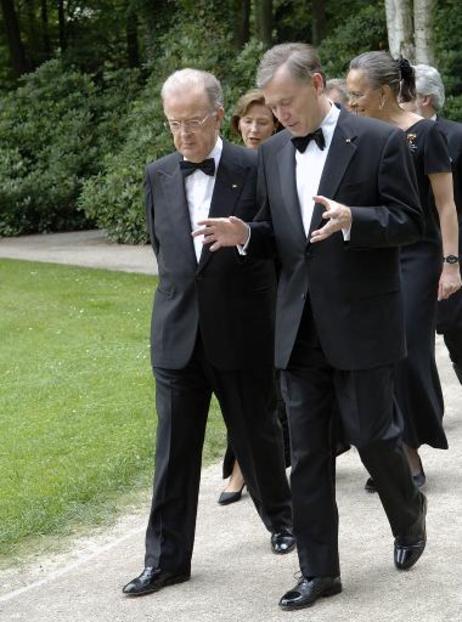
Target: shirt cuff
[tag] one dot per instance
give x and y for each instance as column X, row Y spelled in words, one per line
column 346, row 234
column 242, row 248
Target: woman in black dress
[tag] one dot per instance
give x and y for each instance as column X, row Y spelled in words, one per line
column 377, row 84
column 254, row 122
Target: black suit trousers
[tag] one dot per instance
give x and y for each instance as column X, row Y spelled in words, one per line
column 246, row 398
column 314, row 391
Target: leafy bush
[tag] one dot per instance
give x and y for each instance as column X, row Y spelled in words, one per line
column 45, row 147
column 453, row 108
column 363, row 31
column 114, row 197
column 447, row 42
column 50, row 141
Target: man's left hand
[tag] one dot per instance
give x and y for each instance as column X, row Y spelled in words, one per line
column 222, row 232
column 338, row 215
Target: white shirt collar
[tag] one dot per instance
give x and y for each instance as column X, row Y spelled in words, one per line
column 329, row 123
column 216, row 152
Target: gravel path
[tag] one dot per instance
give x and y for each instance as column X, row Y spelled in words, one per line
column 235, row 576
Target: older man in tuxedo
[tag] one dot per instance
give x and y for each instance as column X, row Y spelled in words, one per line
column 212, row 332
column 338, row 197
column 429, row 102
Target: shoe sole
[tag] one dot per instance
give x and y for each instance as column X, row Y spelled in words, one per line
column 167, row 583
column 229, row 501
column 336, row 589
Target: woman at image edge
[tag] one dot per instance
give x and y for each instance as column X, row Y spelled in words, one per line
column 377, row 84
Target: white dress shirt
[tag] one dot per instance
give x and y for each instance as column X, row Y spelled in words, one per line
column 309, row 166
column 199, row 190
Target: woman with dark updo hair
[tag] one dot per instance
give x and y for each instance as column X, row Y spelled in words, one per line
column 429, row 268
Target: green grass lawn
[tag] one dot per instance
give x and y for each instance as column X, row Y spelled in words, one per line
column 77, row 419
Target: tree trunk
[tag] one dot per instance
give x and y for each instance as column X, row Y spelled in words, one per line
column 265, row 20
column 13, row 36
column 423, row 10
column 241, row 23
column 62, row 26
column 399, row 27
column 34, row 39
column 133, row 50
column 318, row 29
column 45, row 29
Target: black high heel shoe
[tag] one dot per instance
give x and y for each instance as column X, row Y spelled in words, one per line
column 230, row 497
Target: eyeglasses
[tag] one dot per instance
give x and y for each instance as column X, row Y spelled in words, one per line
column 191, row 125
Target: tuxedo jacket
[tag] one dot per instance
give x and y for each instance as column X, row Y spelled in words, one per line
column 353, row 287
column 226, row 298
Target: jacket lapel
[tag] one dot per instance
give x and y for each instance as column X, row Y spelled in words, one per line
column 287, row 178
column 172, row 182
column 230, row 178
column 340, row 153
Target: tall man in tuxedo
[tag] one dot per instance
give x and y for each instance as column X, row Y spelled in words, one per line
column 428, row 103
column 339, row 325
column 212, row 331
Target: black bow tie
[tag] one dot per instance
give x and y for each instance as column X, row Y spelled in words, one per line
column 206, row 166
column 301, row 142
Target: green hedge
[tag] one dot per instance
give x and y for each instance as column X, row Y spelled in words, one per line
column 53, row 130
column 114, row 197
column 447, row 42
column 46, row 146
column 363, row 31
column 73, row 148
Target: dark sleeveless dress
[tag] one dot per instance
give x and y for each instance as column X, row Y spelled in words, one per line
column 418, row 388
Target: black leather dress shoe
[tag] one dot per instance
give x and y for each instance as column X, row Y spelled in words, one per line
column 408, row 549
column 152, row 580
column 307, row 591
column 282, row 542
column 230, row 497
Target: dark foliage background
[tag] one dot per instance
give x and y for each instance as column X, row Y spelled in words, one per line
column 79, row 89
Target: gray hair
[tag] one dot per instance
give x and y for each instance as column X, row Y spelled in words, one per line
column 195, row 79
column 301, row 60
column 337, row 84
column 428, row 82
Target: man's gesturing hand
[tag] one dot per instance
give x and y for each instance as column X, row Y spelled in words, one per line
column 221, row 232
column 338, row 215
